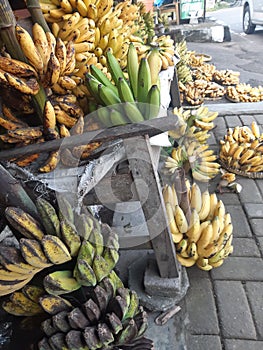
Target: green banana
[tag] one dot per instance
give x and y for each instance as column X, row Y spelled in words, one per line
column 114, row 68
column 70, row 237
column 132, row 112
column 104, row 114
column 60, row 282
column 100, row 267
column 86, row 252
column 101, row 77
column 128, row 333
column 133, row 305
column 93, row 87
column 84, row 225
column 117, row 118
column 153, row 102
column 49, row 217
column 125, row 92
column 65, row 208
column 107, row 96
column 111, row 255
column 96, row 239
column 133, row 67
column 144, row 80
column 84, row 273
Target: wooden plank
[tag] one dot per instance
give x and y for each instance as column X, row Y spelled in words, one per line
column 148, row 127
column 175, row 93
column 149, row 191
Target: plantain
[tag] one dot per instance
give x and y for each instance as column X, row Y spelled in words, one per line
column 53, row 304
column 16, row 67
column 33, row 254
column 70, row 237
column 24, row 223
column 30, row 133
column 60, row 282
column 50, row 163
column 49, row 216
column 26, row 86
column 55, row 250
column 84, row 273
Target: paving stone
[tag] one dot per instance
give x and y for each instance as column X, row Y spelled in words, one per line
column 245, row 247
column 246, row 119
column 229, row 198
column 239, row 269
column 254, row 210
column 220, row 128
column 195, row 273
column 203, row 342
column 200, row 306
column 239, row 220
column 260, row 241
column 255, row 298
column 232, row 121
column 234, row 312
column 257, row 226
column 259, row 118
column 250, row 192
column 259, row 183
column 212, row 140
column 237, row 344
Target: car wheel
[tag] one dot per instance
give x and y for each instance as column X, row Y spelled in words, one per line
column 248, row 26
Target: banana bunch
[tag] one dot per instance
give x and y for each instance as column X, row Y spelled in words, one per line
column 125, row 102
column 53, row 60
column 226, row 77
column 202, row 161
column 244, row 93
column 196, row 60
column 68, row 236
column 176, row 160
column 166, row 49
column 204, row 72
column 242, row 148
column 204, row 240
column 203, row 119
column 183, row 69
column 18, row 76
column 181, row 127
column 111, row 316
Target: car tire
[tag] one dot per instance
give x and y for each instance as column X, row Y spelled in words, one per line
column 248, row 26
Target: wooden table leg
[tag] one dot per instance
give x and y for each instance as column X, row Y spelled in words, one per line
column 147, row 184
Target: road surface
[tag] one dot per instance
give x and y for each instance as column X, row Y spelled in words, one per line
column 244, row 53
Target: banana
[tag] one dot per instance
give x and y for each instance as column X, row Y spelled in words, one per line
column 18, row 300
column 255, row 129
column 213, row 204
column 205, row 208
column 101, row 77
column 203, row 264
column 114, row 68
column 132, row 112
column 218, row 256
column 28, row 87
column 187, row 262
column 61, row 54
column 30, row 133
column 199, row 176
column 29, row 49
column 33, row 254
column 172, row 223
column 144, row 81
column 196, row 197
column 124, row 90
column 50, row 163
column 203, row 125
column 53, row 304
column 194, row 231
column 24, row 223
column 49, row 216
column 182, row 246
column 205, row 237
column 55, row 250
column 238, row 152
column 16, row 67
column 41, row 44
column 70, row 237
column 180, row 219
column 9, row 124
column 53, row 71
column 153, row 102
column 60, row 282
column 132, row 68
column 216, row 228
column 155, row 64
column 108, row 96
column 84, row 273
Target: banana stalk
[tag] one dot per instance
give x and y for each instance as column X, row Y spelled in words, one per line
column 34, row 8
column 8, row 36
column 13, row 194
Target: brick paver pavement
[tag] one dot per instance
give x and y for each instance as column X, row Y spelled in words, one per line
column 225, row 307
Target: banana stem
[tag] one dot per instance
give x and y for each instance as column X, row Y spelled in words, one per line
column 7, row 31
column 34, row 8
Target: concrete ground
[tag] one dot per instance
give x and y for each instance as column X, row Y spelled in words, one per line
column 223, row 308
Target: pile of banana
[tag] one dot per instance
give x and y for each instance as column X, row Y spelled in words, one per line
column 198, row 59
column 183, row 69
column 242, row 149
column 127, row 101
column 244, row 93
column 206, row 238
column 226, row 77
column 193, row 156
column 54, row 239
column 195, row 92
column 204, row 72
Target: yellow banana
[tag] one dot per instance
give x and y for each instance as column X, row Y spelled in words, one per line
column 194, row 232
column 205, row 209
column 196, row 197
column 180, row 219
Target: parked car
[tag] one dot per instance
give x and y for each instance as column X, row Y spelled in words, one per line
column 252, row 15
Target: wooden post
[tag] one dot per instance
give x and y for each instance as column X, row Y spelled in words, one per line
column 147, row 184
